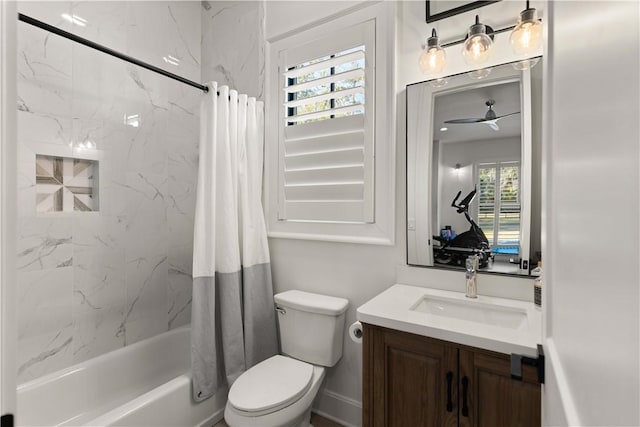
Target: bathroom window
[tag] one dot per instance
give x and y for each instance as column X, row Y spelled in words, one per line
column 333, row 104
column 325, row 88
column 499, row 203
column 327, row 143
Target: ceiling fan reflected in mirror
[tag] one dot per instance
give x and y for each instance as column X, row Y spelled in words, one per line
column 490, row 118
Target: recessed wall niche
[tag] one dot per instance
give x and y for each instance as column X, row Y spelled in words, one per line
column 65, row 184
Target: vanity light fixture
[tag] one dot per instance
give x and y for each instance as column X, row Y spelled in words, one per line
column 444, row 129
column 526, row 37
column 433, row 57
column 477, row 46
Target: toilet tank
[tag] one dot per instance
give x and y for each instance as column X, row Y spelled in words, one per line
column 311, row 326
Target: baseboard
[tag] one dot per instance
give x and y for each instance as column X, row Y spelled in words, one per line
column 336, row 407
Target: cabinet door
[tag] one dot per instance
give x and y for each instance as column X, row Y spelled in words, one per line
column 493, row 398
column 409, row 380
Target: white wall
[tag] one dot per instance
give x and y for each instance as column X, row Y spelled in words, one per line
column 467, row 154
column 284, row 16
column 592, row 211
column 359, row 272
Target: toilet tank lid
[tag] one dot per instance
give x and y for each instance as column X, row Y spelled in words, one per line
column 313, row 303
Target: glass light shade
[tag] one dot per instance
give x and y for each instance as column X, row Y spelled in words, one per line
column 477, row 47
column 526, row 37
column 433, row 58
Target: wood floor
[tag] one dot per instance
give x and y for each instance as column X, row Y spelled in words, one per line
column 320, row 421
column 316, row 420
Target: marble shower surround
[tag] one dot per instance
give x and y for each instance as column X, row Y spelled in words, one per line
column 90, row 282
column 233, row 45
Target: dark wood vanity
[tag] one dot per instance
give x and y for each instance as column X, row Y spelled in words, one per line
column 411, row 380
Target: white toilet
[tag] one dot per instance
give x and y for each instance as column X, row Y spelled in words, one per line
column 279, row 391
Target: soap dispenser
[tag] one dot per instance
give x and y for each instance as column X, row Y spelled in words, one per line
column 537, row 286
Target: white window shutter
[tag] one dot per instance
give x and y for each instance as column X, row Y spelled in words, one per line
column 326, row 129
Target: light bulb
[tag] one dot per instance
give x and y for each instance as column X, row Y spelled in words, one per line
column 433, row 58
column 477, row 47
column 526, row 37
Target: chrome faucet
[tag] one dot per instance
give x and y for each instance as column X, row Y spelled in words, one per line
column 471, row 276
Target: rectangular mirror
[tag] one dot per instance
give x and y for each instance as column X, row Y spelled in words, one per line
column 473, row 170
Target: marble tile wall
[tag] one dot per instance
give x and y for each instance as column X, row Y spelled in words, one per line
column 233, row 45
column 91, row 282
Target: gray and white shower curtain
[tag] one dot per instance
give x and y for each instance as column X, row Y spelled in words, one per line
column 233, row 319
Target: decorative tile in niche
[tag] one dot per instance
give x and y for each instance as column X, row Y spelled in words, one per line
column 65, row 184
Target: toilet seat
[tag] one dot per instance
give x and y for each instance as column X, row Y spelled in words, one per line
column 270, row 386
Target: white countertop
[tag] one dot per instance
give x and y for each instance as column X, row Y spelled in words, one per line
column 393, row 309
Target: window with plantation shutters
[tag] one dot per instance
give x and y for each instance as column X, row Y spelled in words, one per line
column 326, row 147
column 330, row 128
column 499, row 203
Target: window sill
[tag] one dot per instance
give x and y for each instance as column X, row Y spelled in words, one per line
column 382, row 241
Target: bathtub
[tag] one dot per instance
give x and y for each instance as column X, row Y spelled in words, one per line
column 144, row 384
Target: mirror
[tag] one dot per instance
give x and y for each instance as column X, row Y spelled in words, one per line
column 473, row 170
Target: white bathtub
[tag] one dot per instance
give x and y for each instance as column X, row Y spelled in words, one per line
column 145, row 384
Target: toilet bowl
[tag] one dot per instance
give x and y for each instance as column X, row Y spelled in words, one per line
column 279, row 391
column 255, row 402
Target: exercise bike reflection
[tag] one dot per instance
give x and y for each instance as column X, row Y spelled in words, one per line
column 471, row 242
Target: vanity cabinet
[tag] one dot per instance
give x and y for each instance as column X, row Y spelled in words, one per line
column 411, row 380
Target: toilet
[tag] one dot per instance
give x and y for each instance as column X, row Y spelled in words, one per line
column 279, row 391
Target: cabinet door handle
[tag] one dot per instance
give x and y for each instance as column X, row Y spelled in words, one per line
column 465, row 386
column 449, row 398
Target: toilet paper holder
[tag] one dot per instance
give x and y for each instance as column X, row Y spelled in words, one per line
column 355, row 332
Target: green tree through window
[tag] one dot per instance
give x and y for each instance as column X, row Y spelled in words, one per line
column 317, row 103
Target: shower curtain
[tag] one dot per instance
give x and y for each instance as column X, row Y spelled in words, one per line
column 233, row 318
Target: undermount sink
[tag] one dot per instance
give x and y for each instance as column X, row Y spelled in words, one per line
column 497, row 324
column 472, row 311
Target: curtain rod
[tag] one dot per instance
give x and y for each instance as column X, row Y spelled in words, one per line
column 108, row 51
